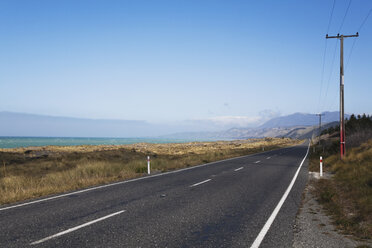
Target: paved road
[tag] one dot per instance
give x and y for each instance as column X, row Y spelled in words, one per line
column 221, row 204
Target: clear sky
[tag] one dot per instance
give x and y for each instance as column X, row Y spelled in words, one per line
column 169, row 61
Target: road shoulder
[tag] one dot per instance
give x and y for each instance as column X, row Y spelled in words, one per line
column 313, row 228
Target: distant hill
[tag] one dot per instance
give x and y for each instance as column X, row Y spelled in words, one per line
column 296, row 132
column 19, row 124
column 296, row 125
column 300, row 119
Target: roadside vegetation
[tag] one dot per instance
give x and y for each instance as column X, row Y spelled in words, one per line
column 347, row 196
column 38, row 171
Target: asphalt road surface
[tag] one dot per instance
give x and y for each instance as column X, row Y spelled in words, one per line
column 250, row 201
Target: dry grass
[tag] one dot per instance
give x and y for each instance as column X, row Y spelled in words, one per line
column 348, row 196
column 163, row 149
column 38, row 171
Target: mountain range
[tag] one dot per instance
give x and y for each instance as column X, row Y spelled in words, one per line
column 301, row 119
column 297, row 125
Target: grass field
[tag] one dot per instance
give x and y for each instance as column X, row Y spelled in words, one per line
column 348, row 195
column 38, row 171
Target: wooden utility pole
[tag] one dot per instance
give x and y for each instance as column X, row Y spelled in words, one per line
column 342, row 119
column 320, row 125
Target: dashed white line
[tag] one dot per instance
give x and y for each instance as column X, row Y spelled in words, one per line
column 75, row 228
column 268, row 157
column 120, row 182
column 238, row 169
column 266, row 227
column 257, row 162
column 196, row 184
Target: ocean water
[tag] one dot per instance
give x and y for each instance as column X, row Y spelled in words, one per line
column 14, row 142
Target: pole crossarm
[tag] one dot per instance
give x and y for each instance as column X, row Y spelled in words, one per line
column 338, row 36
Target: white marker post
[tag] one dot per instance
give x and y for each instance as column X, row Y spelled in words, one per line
column 321, row 166
column 148, row 165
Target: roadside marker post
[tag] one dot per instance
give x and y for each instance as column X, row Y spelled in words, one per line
column 321, row 166
column 148, row 165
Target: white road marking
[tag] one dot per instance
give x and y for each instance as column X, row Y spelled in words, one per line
column 257, row 162
column 123, row 182
column 127, row 181
column 238, row 169
column 266, row 227
column 196, row 184
column 75, row 228
column 268, row 157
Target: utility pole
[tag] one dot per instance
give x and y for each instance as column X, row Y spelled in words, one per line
column 320, row 125
column 342, row 119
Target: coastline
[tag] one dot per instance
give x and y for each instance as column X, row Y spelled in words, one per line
column 7, row 142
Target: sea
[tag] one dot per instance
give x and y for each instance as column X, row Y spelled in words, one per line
column 15, row 142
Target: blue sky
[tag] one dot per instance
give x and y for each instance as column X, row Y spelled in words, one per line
column 170, row 61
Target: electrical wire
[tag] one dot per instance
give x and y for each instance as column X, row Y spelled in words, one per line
column 324, row 55
column 322, row 75
column 330, row 74
column 365, row 20
column 359, row 29
column 349, row 57
column 343, row 20
column 334, row 55
column 333, row 102
column 330, row 18
column 353, row 45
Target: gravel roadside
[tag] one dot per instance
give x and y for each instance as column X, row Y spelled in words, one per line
column 313, row 228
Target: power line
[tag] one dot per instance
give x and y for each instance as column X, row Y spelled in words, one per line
column 334, row 54
column 324, row 55
column 330, row 74
column 322, row 74
column 330, row 19
column 365, row 20
column 352, row 47
column 343, row 20
column 351, row 51
column 335, row 101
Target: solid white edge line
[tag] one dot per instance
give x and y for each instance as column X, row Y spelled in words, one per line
column 133, row 180
column 266, row 227
column 239, row 169
column 196, row 184
column 75, row 228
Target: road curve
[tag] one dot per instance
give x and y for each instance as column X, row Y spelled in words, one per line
column 221, row 204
